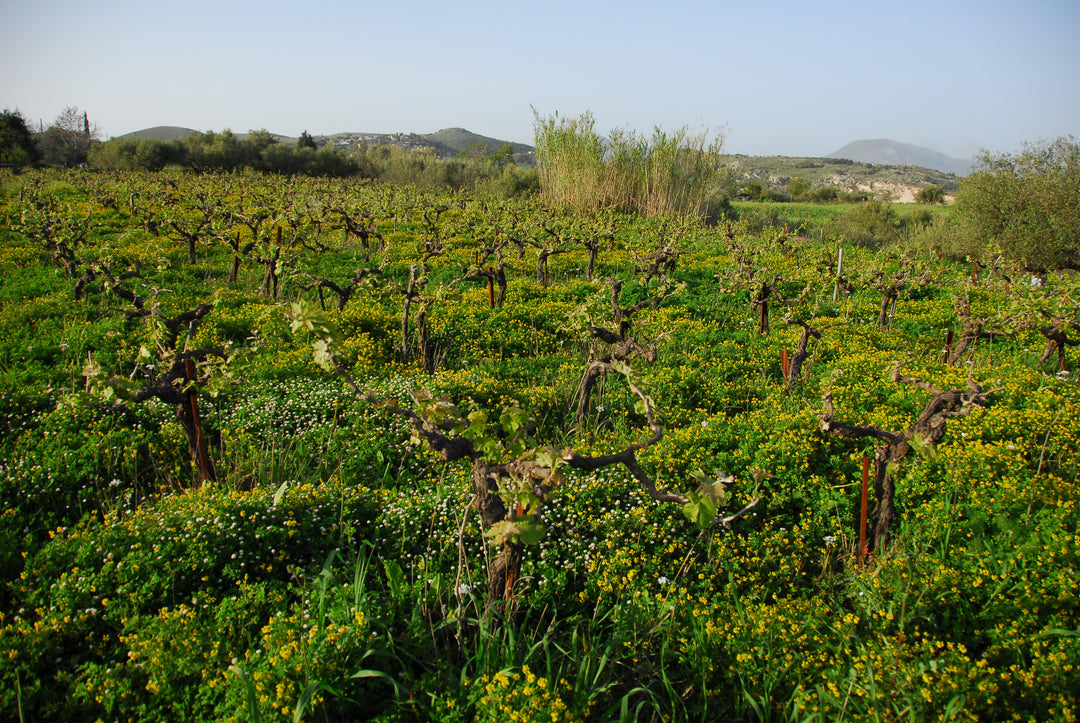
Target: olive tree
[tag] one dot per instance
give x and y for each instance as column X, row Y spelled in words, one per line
column 67, row 141
column 1027, row 204
column 930, row 195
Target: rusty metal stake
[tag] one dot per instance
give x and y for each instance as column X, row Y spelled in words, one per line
column 862, row 510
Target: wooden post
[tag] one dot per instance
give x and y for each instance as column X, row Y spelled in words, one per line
column 862, row 510
column 785, row 365
column 948, row 346
column 202, row 453
column 839, row 273
column 491, row 288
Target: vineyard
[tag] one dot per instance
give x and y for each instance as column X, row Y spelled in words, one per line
column 294, row 448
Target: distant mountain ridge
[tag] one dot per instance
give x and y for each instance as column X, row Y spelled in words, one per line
column 893, row 153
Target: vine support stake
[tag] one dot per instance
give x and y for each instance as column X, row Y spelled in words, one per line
column 862, row 509
column 839, row 273
column 202, row 453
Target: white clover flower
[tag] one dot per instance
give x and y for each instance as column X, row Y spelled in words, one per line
column 662, row 580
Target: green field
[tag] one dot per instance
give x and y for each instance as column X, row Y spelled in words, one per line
column 412, row 508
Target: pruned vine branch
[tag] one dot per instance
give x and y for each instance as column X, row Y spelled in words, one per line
column 506, row 518
column 927, row 431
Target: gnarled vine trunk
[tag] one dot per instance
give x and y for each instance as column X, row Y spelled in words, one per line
column 928, row 430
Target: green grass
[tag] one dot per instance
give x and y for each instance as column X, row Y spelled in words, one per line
column 336, row 571
column 816, row 219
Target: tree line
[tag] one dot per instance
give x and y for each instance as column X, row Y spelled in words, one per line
column 71, row 141
column 1019, row 206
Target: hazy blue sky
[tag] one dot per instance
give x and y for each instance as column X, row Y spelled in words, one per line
column 789, row 78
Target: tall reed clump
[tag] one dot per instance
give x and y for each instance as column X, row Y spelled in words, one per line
column 570, row 160
column 678, row 172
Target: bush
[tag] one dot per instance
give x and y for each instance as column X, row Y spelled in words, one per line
column 797, row 187
column 16, row 141
column 824, row 194
column 752, row 191
column 1027, row 205
column 930, row 195
column 869, row 224
column 513, row 182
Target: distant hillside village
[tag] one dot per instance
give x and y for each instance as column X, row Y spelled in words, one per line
column 405, row 141
column 446, row 143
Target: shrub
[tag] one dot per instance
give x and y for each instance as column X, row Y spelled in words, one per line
column 869, row 224
column 16, row 141
column 1028, row 204
column 513, row 182
column 930, row 195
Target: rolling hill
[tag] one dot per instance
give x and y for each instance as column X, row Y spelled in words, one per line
column 455, row 140
column 898, row 183
column 159, row 133
column 880, row 167
column 447, row 142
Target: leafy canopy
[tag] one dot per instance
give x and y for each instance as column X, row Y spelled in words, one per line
column 1028, row 204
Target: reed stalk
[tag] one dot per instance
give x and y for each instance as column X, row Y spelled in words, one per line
column 670, row 173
